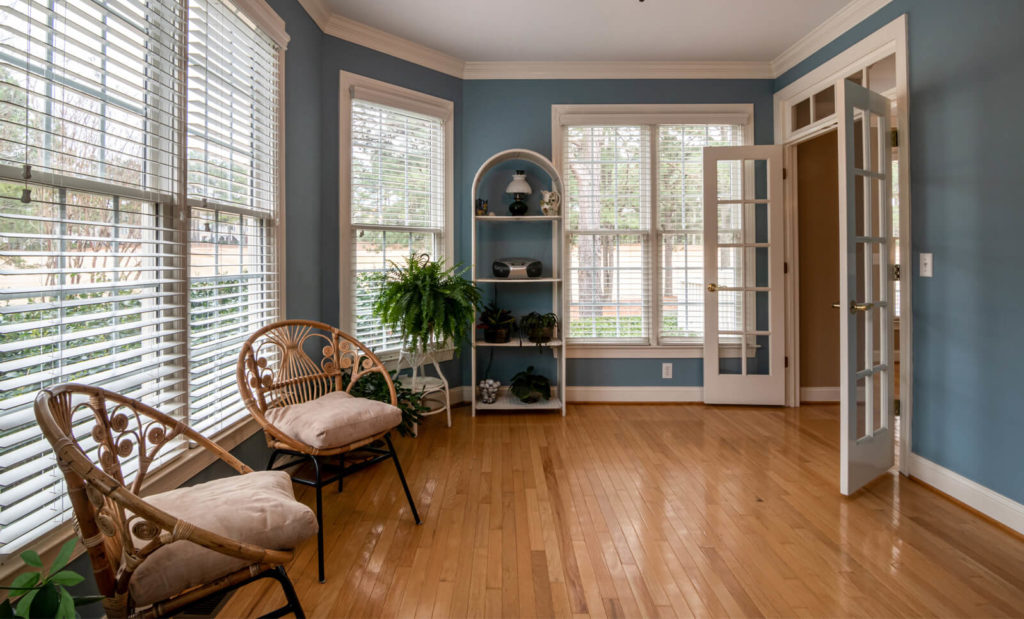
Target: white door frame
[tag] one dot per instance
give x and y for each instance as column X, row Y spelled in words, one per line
column 889, row 39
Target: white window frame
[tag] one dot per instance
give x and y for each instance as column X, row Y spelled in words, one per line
column 189, row 462
column 645, row 114
column 354, row 86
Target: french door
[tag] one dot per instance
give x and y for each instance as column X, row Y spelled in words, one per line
column 744, row 353
column 866, row 300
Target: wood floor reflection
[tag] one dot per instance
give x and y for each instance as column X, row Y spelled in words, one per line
column 644, row 510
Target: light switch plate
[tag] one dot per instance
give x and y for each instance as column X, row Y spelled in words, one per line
column 926, row 264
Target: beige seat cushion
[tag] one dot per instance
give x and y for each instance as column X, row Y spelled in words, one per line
column 334, row 420
column 258, row 508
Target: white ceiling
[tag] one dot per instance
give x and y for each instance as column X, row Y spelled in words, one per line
column 596, row 30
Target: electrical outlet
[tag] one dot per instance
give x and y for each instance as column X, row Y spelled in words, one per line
column 666, row 370
column 926, row 265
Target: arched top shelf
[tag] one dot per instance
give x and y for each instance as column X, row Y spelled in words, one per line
column 521, row 154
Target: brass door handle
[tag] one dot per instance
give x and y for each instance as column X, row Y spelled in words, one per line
column 712, row 287
column 835, row 306
column 855, row 307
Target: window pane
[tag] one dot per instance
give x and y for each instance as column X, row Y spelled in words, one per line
column 398, row 201
column 609, row 292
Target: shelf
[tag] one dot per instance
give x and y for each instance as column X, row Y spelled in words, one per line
column 520, row 341
column 507, row 401
column 518, row 217
column 528, row 280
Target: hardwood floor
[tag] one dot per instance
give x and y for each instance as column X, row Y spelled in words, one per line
column 644, row 510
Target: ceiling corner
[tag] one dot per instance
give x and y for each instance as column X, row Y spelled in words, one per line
column 826, row 32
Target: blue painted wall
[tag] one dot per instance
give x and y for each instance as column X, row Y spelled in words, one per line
column 502, row 114
column 966, row 84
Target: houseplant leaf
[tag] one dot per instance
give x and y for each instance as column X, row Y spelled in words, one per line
column 66, row 578
column 64, row 555
column 31, row 557
column 23, row 582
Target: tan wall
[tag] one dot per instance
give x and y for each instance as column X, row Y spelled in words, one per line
column 818, row 205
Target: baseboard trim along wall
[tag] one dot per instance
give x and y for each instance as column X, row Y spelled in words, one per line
column 1002, row 509
column 819, row 394
column 611, row 394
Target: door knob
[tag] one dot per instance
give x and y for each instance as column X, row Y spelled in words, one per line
column 712, row 287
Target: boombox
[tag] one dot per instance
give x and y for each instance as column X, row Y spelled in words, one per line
column 517, row 268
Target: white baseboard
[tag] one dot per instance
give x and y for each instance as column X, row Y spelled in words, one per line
column 635, row 394
column 819, row 394
column 989, row 502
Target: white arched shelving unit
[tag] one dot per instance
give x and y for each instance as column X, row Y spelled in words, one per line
column 553, row 278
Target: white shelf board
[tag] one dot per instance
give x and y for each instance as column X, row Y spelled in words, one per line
column 520, row 341
column 518, row 217
column 507, row 280
column 507, row 401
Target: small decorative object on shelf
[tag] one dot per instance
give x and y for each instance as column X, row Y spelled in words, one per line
column 519, row 189
column 517, row 268
column 538, row 328
column 497, row 324
column 530, row 387
column 489, row 390
column 550, row 201
column 481, row 207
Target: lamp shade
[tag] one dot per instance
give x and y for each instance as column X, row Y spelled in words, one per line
column 519, row 184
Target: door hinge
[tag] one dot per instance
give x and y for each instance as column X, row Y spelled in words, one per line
column 787, row 362
column 785, row 173
column 785, row 267
column 896, row 272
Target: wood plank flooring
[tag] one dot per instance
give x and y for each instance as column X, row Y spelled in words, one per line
column 644, row 510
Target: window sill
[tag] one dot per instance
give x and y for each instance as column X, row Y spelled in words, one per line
column 172, row 475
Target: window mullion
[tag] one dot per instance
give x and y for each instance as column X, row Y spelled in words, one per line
column 655, row 314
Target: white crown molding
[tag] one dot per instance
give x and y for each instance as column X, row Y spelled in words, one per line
column 368, row 36
column 361, row 34
column 846, row 18
column 578, row 70
column 266, row 19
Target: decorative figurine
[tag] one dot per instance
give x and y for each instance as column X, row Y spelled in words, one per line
column 481, row 207
column 550, row 201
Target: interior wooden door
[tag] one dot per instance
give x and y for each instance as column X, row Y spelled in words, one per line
column 866, row 376
column 744, row 340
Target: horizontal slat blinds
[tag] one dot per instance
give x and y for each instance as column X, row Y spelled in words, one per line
column 607, row 172
column 232, row 109
column 89, row 291
column 232, row 113
column 681, row 223
column 89, row 90
column 398, row 196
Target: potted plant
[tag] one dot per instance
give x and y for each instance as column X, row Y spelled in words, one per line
column 530, row 387
column 497, row 324
column 538, row 328
column 426, row 302
column 44, row 593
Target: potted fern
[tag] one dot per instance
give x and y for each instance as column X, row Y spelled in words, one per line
column 539, row 328
column 426, row 302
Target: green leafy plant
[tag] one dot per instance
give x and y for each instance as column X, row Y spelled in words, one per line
column 497, row 323
column 42, row 593
column 373, row 387
column 530, row 387
column 425, row 302
column 539, row 328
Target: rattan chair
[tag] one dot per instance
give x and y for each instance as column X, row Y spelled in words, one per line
column 305, row 408
column 153, row 556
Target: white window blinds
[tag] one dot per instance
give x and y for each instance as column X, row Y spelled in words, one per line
column 398, row 200
column 232, row 151
column 91, row 284
column 636, row 247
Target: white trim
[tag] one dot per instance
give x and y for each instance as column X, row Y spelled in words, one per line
column 394, row 96
column 392, row 45
column 692, row 395
column 266, row 19
column 819, row 394
column 318, row 11
column 1000, row 508
column 847, row 17
column 578, row 70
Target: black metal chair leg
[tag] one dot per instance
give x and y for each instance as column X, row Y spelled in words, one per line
column 319, row 520
column 293, row 606
column 401, row 476
column 273, row 458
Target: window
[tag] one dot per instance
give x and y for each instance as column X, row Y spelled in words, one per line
column 398, row 149
column 635, row 217
column 94, row 240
